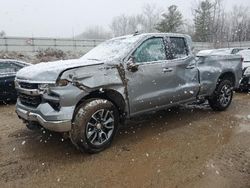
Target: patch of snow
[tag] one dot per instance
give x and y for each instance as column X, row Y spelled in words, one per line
column 49, row 72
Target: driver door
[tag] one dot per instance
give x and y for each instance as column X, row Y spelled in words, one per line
column 150, row 86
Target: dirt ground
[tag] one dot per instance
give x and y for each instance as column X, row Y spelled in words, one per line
column 185, row 147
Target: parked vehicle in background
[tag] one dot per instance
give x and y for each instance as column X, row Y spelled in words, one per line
column 8, row 70
column 221, row 51
column 120, row 79
column 245, row 82
column 246, row 58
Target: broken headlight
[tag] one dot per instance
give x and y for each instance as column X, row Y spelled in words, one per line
column 62, row 82
column 45, row 86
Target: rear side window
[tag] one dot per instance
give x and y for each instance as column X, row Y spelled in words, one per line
column 151, row 50
column 178, row 47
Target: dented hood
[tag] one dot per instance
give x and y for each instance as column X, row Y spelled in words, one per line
column 49, row 72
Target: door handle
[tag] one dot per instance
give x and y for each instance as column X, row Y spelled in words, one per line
column 191, row 66
column 167, row 70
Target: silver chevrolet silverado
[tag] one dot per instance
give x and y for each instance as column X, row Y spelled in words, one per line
column 122, row 78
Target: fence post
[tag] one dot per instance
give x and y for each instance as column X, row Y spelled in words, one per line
column 33, row 44
column 55, row 43
column 74, row 44
column 6, row 44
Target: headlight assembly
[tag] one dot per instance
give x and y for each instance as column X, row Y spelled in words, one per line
column 45, row 87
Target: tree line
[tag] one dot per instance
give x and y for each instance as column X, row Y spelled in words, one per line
column 210, row 23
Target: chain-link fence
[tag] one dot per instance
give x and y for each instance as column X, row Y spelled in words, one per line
column 20, row 44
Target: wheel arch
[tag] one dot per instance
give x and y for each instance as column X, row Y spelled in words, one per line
column 227, row 75
column 111, row 95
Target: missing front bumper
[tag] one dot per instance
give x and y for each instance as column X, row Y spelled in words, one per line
column 57, row 126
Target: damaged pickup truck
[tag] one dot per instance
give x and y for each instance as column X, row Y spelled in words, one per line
column 120, row 79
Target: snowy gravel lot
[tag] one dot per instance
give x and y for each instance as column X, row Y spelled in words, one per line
column 184, row 147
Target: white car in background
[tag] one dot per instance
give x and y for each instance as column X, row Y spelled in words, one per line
column 245, row 82
column 221, row 51
column 246, row 58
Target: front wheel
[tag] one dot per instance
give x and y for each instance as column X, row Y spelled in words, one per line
column 94, row 125
column 222, row 96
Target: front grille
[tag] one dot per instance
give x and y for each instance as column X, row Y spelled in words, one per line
column 28, row 85
column 27, row 100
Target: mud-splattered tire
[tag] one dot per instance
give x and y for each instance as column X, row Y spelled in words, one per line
column 94, row 125
column 222, row 96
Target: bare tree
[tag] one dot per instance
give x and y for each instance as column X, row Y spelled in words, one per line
column 219, row 30
column 94, row 32
column 151, row 15
column 142, row 22
column 239, row 20
column 119, row 25
column 2, row 34
column 123, row 25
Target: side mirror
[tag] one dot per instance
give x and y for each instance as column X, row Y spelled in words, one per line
column 131, row 65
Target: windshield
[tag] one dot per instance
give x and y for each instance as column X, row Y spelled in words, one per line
column 112, row 49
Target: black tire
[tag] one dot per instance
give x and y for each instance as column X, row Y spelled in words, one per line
column 94, row 125
column 222, row 96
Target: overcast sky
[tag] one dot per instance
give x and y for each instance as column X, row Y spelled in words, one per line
column 62, row 18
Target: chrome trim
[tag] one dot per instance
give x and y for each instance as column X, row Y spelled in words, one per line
column 57, row 126
column 34, row 81
column 32, row 92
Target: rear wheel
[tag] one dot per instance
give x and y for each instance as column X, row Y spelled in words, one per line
column 222, row 96
column 94, row 125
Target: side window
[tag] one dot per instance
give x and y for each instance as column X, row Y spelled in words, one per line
column 9, row 67
column 151, row 50
column 5, row 66
column 178, row 47
column 16, row 66
column 1, row 66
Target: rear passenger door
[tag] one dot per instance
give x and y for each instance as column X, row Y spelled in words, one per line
column 186, row 72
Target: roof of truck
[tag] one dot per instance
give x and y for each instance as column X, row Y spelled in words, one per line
column 152, row 35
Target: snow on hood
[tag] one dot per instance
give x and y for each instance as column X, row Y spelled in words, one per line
column 49, row 72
